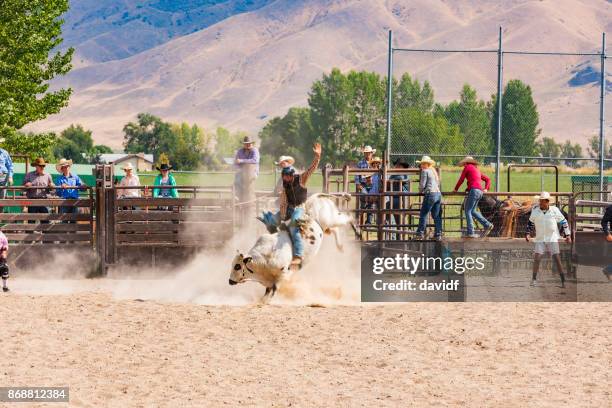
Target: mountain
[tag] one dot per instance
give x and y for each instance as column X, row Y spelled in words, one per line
column 115, row 29
column 257, row 64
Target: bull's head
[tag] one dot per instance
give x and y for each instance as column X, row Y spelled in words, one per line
column 240, row 272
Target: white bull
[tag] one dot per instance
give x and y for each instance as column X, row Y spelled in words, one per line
column 268, row 261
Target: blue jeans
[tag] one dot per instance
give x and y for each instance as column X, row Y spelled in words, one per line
column 295, row 214
column 471, row 210
column 432, row 202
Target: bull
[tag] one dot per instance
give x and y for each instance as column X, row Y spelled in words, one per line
column 268, row 261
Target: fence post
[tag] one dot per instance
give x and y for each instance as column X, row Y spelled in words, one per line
column 602, row 100
column 246, row 191
column 500, row 68
column 389, row 92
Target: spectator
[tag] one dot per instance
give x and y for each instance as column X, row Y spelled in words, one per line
column 6, row 171
column 4, row 270
column 129, row 180
column 44, row 182
column 545, row 218
column 165, row 179
column 371, row 189
column 364, row 163
column 429, row 186
column 67, row 179
column 474, row 194
column 248, row 154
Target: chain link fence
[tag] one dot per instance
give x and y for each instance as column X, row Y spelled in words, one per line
column 445, row 104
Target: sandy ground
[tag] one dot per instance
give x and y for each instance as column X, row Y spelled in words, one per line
column 130, row 353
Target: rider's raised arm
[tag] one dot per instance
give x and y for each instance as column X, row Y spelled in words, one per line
column 313, row 166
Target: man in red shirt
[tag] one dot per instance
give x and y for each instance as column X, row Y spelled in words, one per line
column 474, row 178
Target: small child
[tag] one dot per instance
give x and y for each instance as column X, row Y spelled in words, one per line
column 4, row 270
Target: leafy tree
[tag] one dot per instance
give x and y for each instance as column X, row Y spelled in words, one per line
column 76, row 144
column 346, row 112
column 472, row 117
column 30, row 30
column 549, row 148
column 30, row 144
column 226, row 143
column 593, row 150
column 571, row 150
column 520, row 120
column 148, row 135
column 292, row 134
column 410, row 94
column 417, row 132
column 191, row 147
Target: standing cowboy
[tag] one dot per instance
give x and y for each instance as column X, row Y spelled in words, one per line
column 364, row 163
column 546, row 220
column 6, row 171
column 292, row 198
column 68, row 179
column 429, row 186
column 38, row 178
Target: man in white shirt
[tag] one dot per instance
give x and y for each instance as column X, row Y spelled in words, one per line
column 546, row 220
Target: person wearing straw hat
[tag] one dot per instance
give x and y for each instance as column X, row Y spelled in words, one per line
column 546, row 220
column 474, row 191
column 364, row 163
column 164, row 178
column 67, row 179
column 129, row 180
column 44, row 182
column 429, row 186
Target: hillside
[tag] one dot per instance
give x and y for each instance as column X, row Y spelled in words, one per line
column 251, row 66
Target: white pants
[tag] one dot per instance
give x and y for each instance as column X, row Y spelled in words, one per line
column 551, row 247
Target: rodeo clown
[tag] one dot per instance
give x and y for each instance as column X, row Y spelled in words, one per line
column 292, row 197
column 546, row 219
column 4, row 270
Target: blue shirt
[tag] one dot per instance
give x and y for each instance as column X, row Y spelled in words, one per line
column 248, row 156
column 6, row 164
column 71, row 180
column 362, row 164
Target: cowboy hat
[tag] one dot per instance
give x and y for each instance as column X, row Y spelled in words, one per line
column 426, row 159
column 247, row 140
column 164, row 166
column 467, row 160
column 544, row 195
column 287, row 159
column 62, row 163
column 40, row 162
column 128, row 166
column 376, row 160
column 368, row 149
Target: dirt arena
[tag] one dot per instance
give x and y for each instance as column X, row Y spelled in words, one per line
column 134, row 353
column 190, row 340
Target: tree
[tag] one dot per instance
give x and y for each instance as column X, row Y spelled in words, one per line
column 549, row 148
column 290, row 135
column 31, row 145
column 148, row 135
column 571, row 150
column 29, row 32
column 76, row 144
column 409, row 94
column 472, row 117
column 346, row 112
column 418, row 132
column 520, row 120
column 593, row 150
column 191, row 147
column 226, row 142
